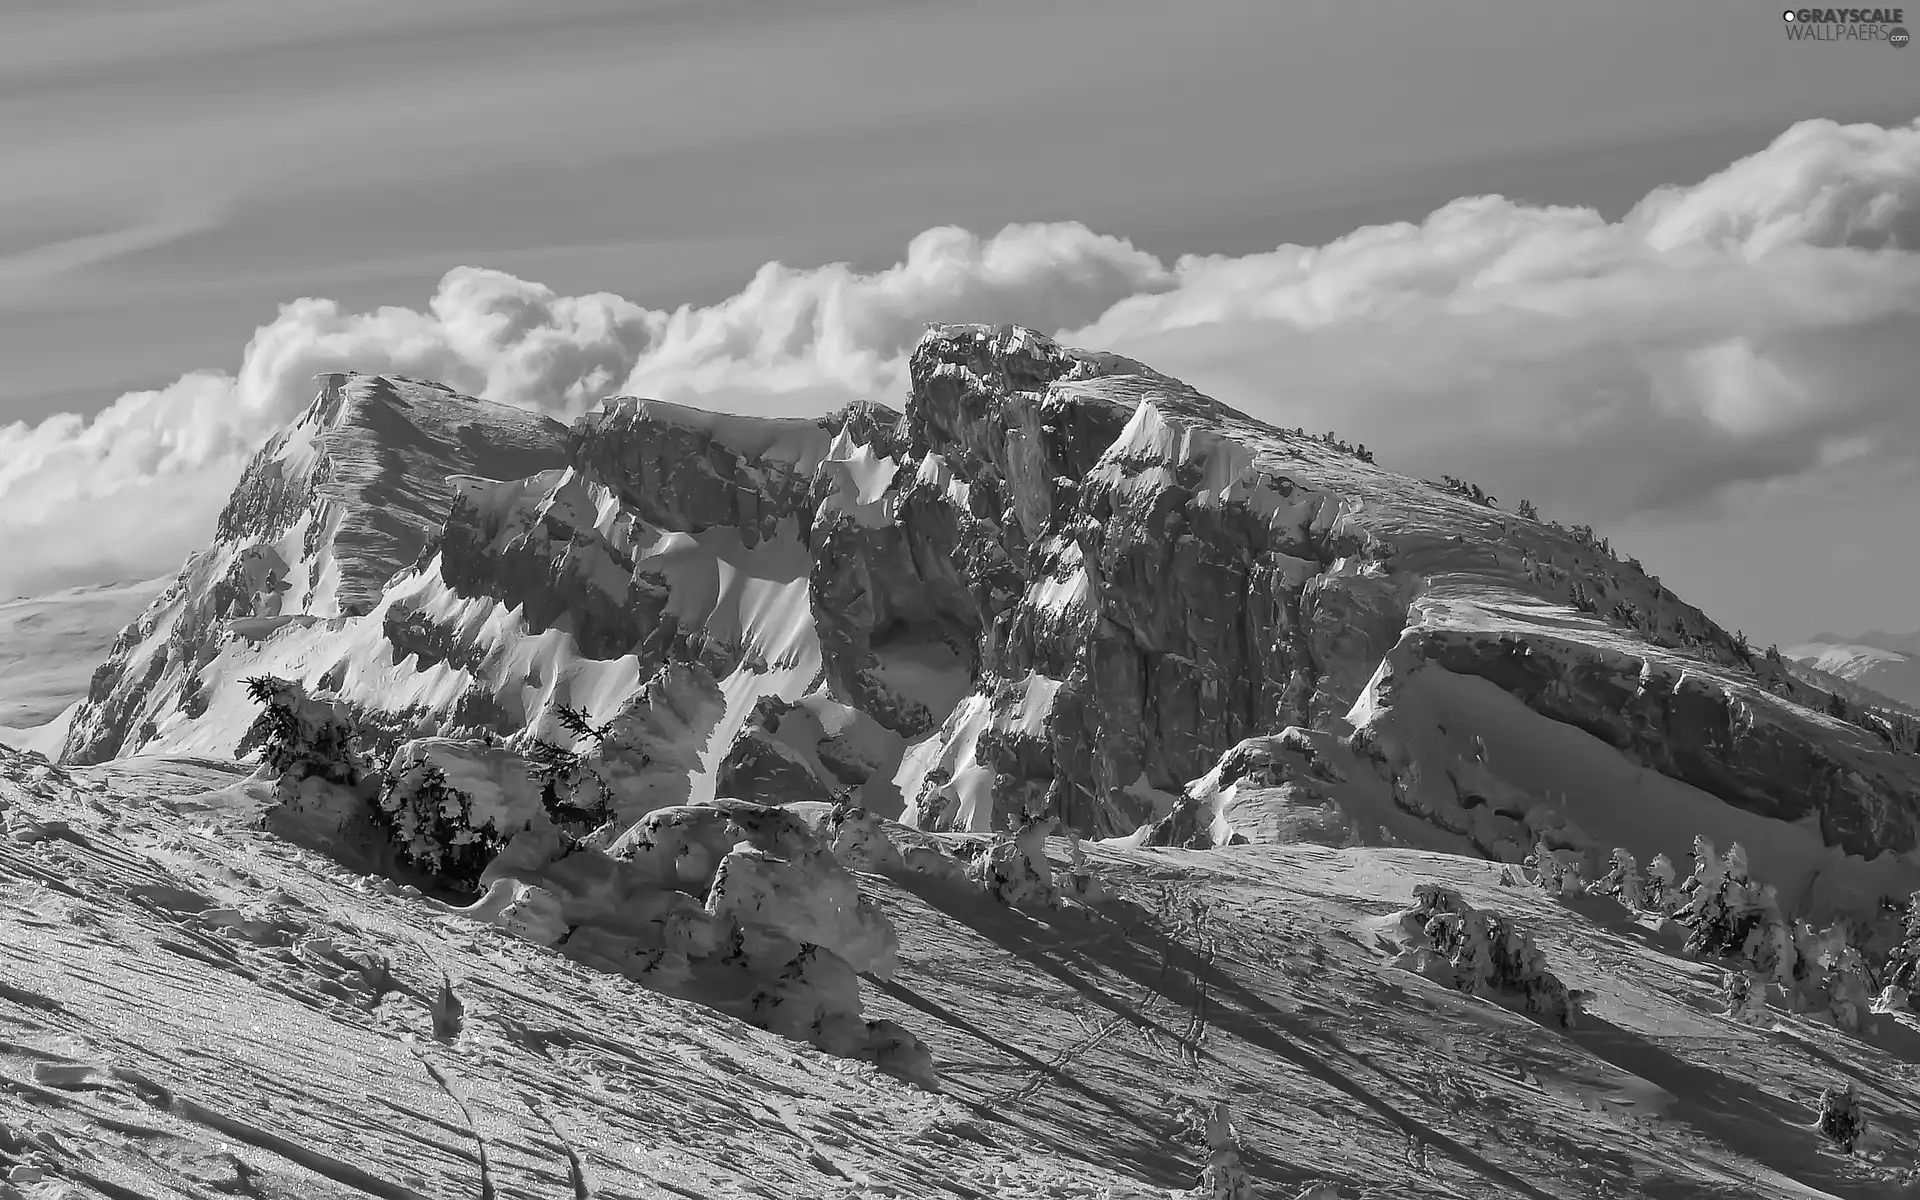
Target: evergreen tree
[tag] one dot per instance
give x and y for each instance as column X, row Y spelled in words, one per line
column 1745, row 992
column 1903, row 963
column 1623, row 880
column 1663, row 888
column 299, row 735
column 1841, row 1120
column 1482, row 953
column 1730, row 916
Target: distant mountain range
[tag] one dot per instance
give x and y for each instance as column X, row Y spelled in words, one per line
column 49, row 645
column 1887, row 663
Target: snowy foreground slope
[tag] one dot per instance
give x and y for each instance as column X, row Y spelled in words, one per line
column 190, row 1005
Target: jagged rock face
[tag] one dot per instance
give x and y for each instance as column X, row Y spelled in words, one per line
column 761, row 768
column 1146, row 577
column 554, row 544
column 1111, row 641
column 689, row 471
column 323, row 516
column 1164, row 577
column 900, row 604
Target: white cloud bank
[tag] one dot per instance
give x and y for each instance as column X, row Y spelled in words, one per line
column 1761, row 327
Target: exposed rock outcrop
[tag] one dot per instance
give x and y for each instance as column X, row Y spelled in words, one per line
column 1744, row 744
column 760, row 766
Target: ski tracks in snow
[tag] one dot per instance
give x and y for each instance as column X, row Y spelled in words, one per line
column 191, row 1007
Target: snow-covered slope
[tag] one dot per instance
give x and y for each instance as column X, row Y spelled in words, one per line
column 1060, row 585
column 50, row 645
column 192, row 1007
column 1882, row 668
column 46, row 738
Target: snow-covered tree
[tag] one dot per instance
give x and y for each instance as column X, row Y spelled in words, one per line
column 1841, row 1120
column 1544, row 867
column 301, row 736
column 1225, row 1176
column 1483, row 954
column 1662, row 884
column 450, row 805
column 1015, row 869
column 1849, row 985
column 859, row 840
column 1731, row 916
column 1078, row 880
column 1903, row 961
column 1556, row 872
column 1624, row 881
column 1769, row 945
column 1746, row 995
column 1573, row 874
column 1712, row 907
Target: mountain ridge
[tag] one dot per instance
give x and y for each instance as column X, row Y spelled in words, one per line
column 1058, row 585
column 1875, row 669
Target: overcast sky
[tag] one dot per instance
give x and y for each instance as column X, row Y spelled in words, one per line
column 176, row 171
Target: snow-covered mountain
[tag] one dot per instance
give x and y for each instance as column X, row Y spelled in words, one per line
column 1059, row 584
column 1880, row 662
column 323, row 517
column 775, row 718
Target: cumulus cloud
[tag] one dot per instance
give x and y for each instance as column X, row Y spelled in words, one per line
column 483, row 332
column 1760, row 326
column 839, row 334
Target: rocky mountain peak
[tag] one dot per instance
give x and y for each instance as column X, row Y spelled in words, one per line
column 323, row 516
